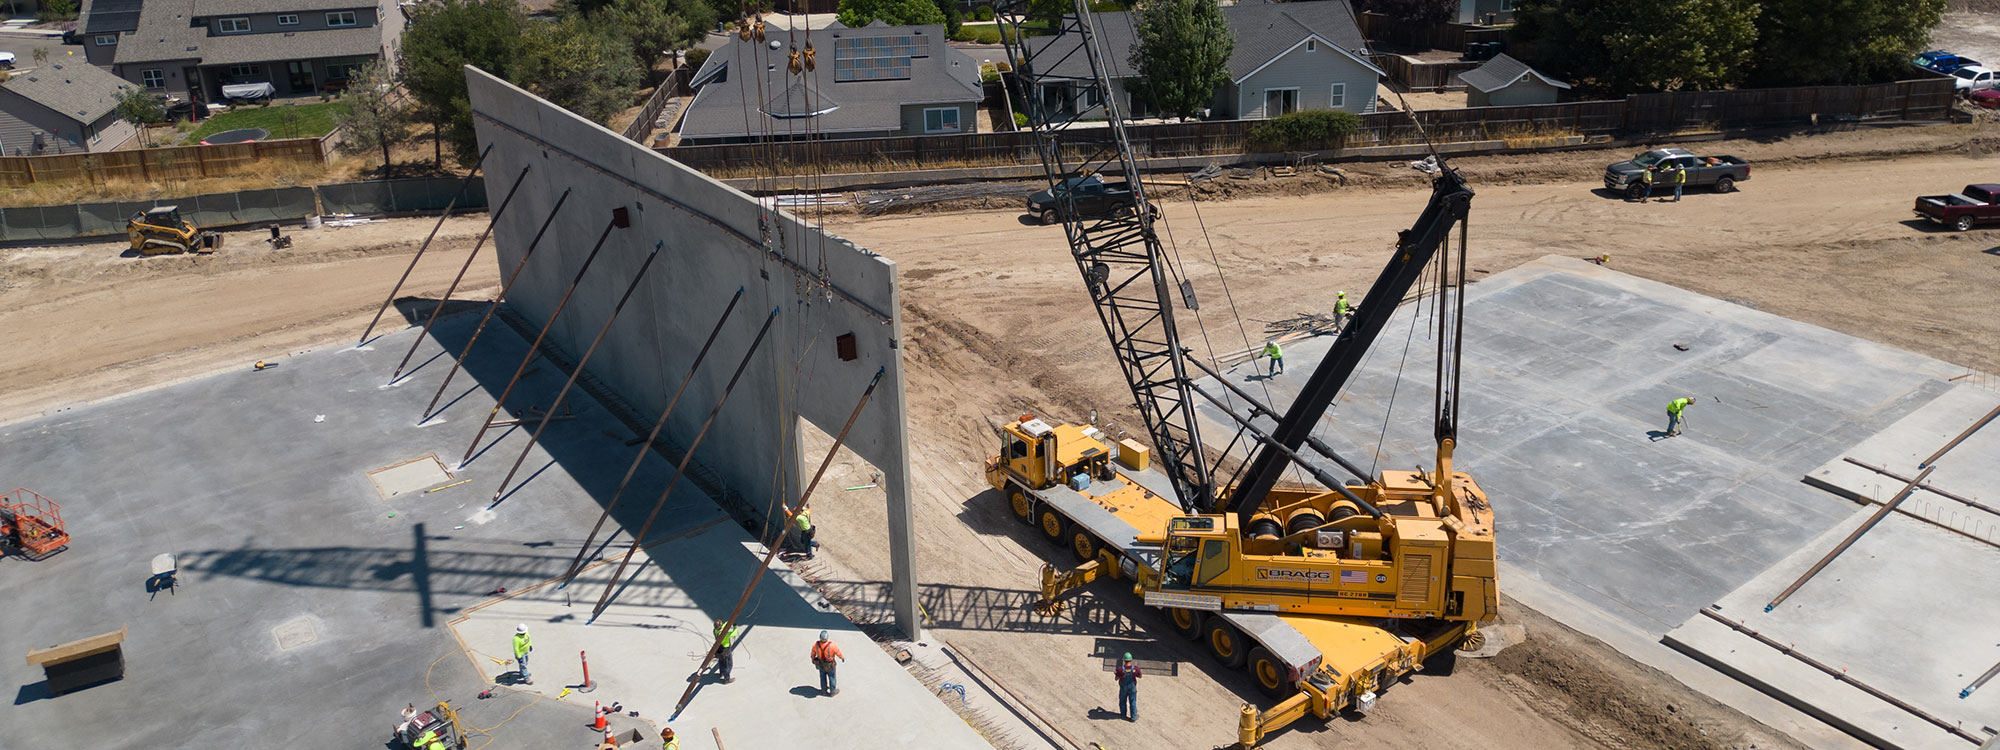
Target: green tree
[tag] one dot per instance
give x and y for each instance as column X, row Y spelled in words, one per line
column 1641, row 45
column 1841, row 41
column 953, row 17
column 581, row 66
column 140, row 108
column 57, row 10
column 374, row 114
column 855, row 14
column 658, row 28
column 445, row 36
column 1181, row 55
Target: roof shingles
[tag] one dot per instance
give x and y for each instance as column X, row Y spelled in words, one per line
column 76, row 90
column 719, row 109
column 1262, row 31
column 1503, row 71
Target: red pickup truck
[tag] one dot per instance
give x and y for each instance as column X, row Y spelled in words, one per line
column 1979, row 203
column 1962, row 209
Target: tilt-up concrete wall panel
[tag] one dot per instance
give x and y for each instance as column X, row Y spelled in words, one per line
column 713, row 240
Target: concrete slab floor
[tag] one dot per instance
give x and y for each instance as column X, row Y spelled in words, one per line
column 1568, row 369
column 1967, row 472
column 282, row 536
column 1906, row 610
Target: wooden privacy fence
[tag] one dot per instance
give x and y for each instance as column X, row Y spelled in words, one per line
column 1916, row 100
column 1446, row 36
column 170, row 163
column 676, row 84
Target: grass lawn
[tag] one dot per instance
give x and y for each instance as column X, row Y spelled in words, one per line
column 281, row 121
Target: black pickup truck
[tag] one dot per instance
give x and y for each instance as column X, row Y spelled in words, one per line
column 1719, row 172
column 1094, row 198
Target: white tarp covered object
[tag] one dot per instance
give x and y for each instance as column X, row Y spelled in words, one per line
column 248, row 90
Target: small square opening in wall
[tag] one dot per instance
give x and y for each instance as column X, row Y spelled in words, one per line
column 844, row 345
column 414, row 475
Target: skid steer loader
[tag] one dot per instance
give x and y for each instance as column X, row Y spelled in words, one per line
column 161, row 230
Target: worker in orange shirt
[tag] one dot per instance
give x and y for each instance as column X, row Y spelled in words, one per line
column 825, row 656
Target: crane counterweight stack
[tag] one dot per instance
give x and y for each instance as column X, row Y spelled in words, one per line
column 1324, row 595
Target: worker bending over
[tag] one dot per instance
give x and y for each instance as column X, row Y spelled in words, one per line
column 1277, row 356
column 1675, row 419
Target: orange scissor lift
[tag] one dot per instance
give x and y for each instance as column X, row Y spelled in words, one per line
column 31, row 525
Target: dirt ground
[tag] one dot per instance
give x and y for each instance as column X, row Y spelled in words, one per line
column 996, row 323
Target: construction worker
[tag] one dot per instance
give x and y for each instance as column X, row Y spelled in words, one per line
column 802, row 532
column 1675, row 419
column 522, row 645
column 1277, row 356
column 725, row 650
column 825, row 657
column 1340, row 310
column 1127, row 674
column 1680, row 181
column 430, row 740
column 1646, row 178
column 668, row 741
column 1601, row 259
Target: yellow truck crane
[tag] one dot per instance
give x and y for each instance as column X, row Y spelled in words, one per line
column 1327, row 595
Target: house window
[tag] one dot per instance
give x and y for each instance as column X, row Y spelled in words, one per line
column 288, row 19
column 1338, row 98
column 91, row 130
column 241, row 72
column 1506, row 6
column 232, row 26
column 340, row 18
column 941, row 120
column 106, row 40
column 1312, row 44
column 153, row 78
column 1281, row 101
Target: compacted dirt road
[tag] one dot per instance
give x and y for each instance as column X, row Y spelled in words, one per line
column 997, row 323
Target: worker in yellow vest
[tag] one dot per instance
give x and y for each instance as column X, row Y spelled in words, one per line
column 1277, row 356
column 725, row 649
column 668, row 741
column 1680, row 181
column 522, row 645
column 802, row 533
column 1675, row 419
column 1340, row 310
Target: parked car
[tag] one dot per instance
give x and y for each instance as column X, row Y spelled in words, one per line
column 1960, row 210
column 1941, row 61
column 6, row 59
column 1972, row 78
column 1094, row 198
column 1719, row 172
column 1988, row 98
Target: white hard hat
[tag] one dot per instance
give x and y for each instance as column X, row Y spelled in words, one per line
column 521, row 628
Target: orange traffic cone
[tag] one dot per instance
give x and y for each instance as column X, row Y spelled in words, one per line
column 601, row 723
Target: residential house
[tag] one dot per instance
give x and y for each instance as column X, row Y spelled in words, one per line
column 300, row 47
column 1505, row 82
column 1287, row 57
column 62, row 107
column 102, row 24
column 1487, row 12
column 870, row 82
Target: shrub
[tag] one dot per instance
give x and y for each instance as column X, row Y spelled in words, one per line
column 982, row 34
column 1305, row 130
column 695, row 57
column 983, row 13
column 1020, row 120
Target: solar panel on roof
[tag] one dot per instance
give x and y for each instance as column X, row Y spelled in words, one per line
column 883, row 58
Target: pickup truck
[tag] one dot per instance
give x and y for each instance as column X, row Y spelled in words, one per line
column 1941, row 61
column 1094, row 198
column 1720, row 172
column 1960, row 210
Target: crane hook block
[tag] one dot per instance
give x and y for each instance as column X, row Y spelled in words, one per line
column 809, row 55
column 794, row 65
